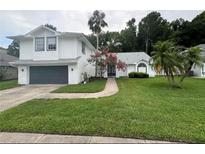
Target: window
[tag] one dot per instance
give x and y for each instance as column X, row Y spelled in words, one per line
column 83, row 47
column 51, row 43
column 39, row 44
column 142, row 67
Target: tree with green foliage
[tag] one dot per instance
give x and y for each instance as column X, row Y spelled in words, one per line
column 152, row 28
column 166, row 57
column 128, row 37
column 13, row 49
column 173, row 60
column 191, row 58
column 108, row 39
column 96, row 22
column 192, row 33
column 51, row 26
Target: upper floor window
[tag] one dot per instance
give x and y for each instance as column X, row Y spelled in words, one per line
column 83, row 47
column 51, row 43
column 39, row 44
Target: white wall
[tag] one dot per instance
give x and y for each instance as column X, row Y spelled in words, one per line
column 23, row 74
column 26, row 49
column 83, row 64
column 131, row 68
column 76, row 71
column 67, row 48
column 198, row 70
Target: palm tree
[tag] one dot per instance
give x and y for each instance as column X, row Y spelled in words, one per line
column 96, row 23
column 165, row 58
column 191, row 57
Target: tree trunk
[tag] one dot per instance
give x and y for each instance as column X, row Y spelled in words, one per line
column 96, row 65
column 97, row 36
column 186, row 73
column 147, row 41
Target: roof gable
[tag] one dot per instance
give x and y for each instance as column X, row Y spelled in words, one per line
column 46, row 31
column 133, row 57
column 42, row 30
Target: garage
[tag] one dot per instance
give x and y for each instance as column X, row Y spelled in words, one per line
column 48, row 74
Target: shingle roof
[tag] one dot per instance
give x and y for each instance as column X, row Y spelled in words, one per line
column 3, row 50
column 133, row 57
column 201, row 46
column 60, row 34
column 5, row 59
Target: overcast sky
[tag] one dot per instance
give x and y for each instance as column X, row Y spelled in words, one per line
column 20, row 22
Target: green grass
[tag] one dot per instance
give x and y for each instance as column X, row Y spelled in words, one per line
column 143, row 108
column 90, row 87
column 8, row 84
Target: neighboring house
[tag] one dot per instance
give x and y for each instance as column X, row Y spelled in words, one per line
column 6, row 70
column 51, row 57
column 200, row 70
column 136, row 62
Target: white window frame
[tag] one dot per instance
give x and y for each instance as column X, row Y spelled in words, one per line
column 35, row 43
column 47, row 45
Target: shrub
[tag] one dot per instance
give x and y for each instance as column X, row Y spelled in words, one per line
column 138, row 75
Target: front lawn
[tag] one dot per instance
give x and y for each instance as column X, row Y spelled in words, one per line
column 90, row 87
column 143, row 108
column 8, row 84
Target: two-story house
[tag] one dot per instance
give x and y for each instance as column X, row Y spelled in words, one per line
column 51, row 57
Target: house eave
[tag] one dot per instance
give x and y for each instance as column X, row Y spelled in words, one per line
column 44, row 62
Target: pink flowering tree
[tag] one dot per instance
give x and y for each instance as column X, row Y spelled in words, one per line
column 103, row 58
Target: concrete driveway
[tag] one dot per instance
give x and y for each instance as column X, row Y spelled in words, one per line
column 15, row 96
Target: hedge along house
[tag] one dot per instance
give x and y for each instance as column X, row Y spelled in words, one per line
column 136, row 62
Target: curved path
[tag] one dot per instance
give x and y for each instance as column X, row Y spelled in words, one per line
column 111, row 88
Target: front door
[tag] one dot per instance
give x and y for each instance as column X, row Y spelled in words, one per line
column 111, row 70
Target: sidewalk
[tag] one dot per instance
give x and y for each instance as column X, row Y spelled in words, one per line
column 48, row 138
column 110, row 89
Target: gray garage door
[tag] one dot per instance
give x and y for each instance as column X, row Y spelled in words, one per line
column 49, row 74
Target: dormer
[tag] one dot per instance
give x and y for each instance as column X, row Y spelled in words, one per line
column 44, row 39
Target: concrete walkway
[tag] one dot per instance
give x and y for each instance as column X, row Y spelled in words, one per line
column 48, row 138
column 111, row 88
column 12, row 97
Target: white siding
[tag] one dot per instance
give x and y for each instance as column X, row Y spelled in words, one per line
column 131, row 68
column 198, row 70
column 26, row 49
column 45, row 55
column 83, row 64
column 23, row 74
column 67, row 48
